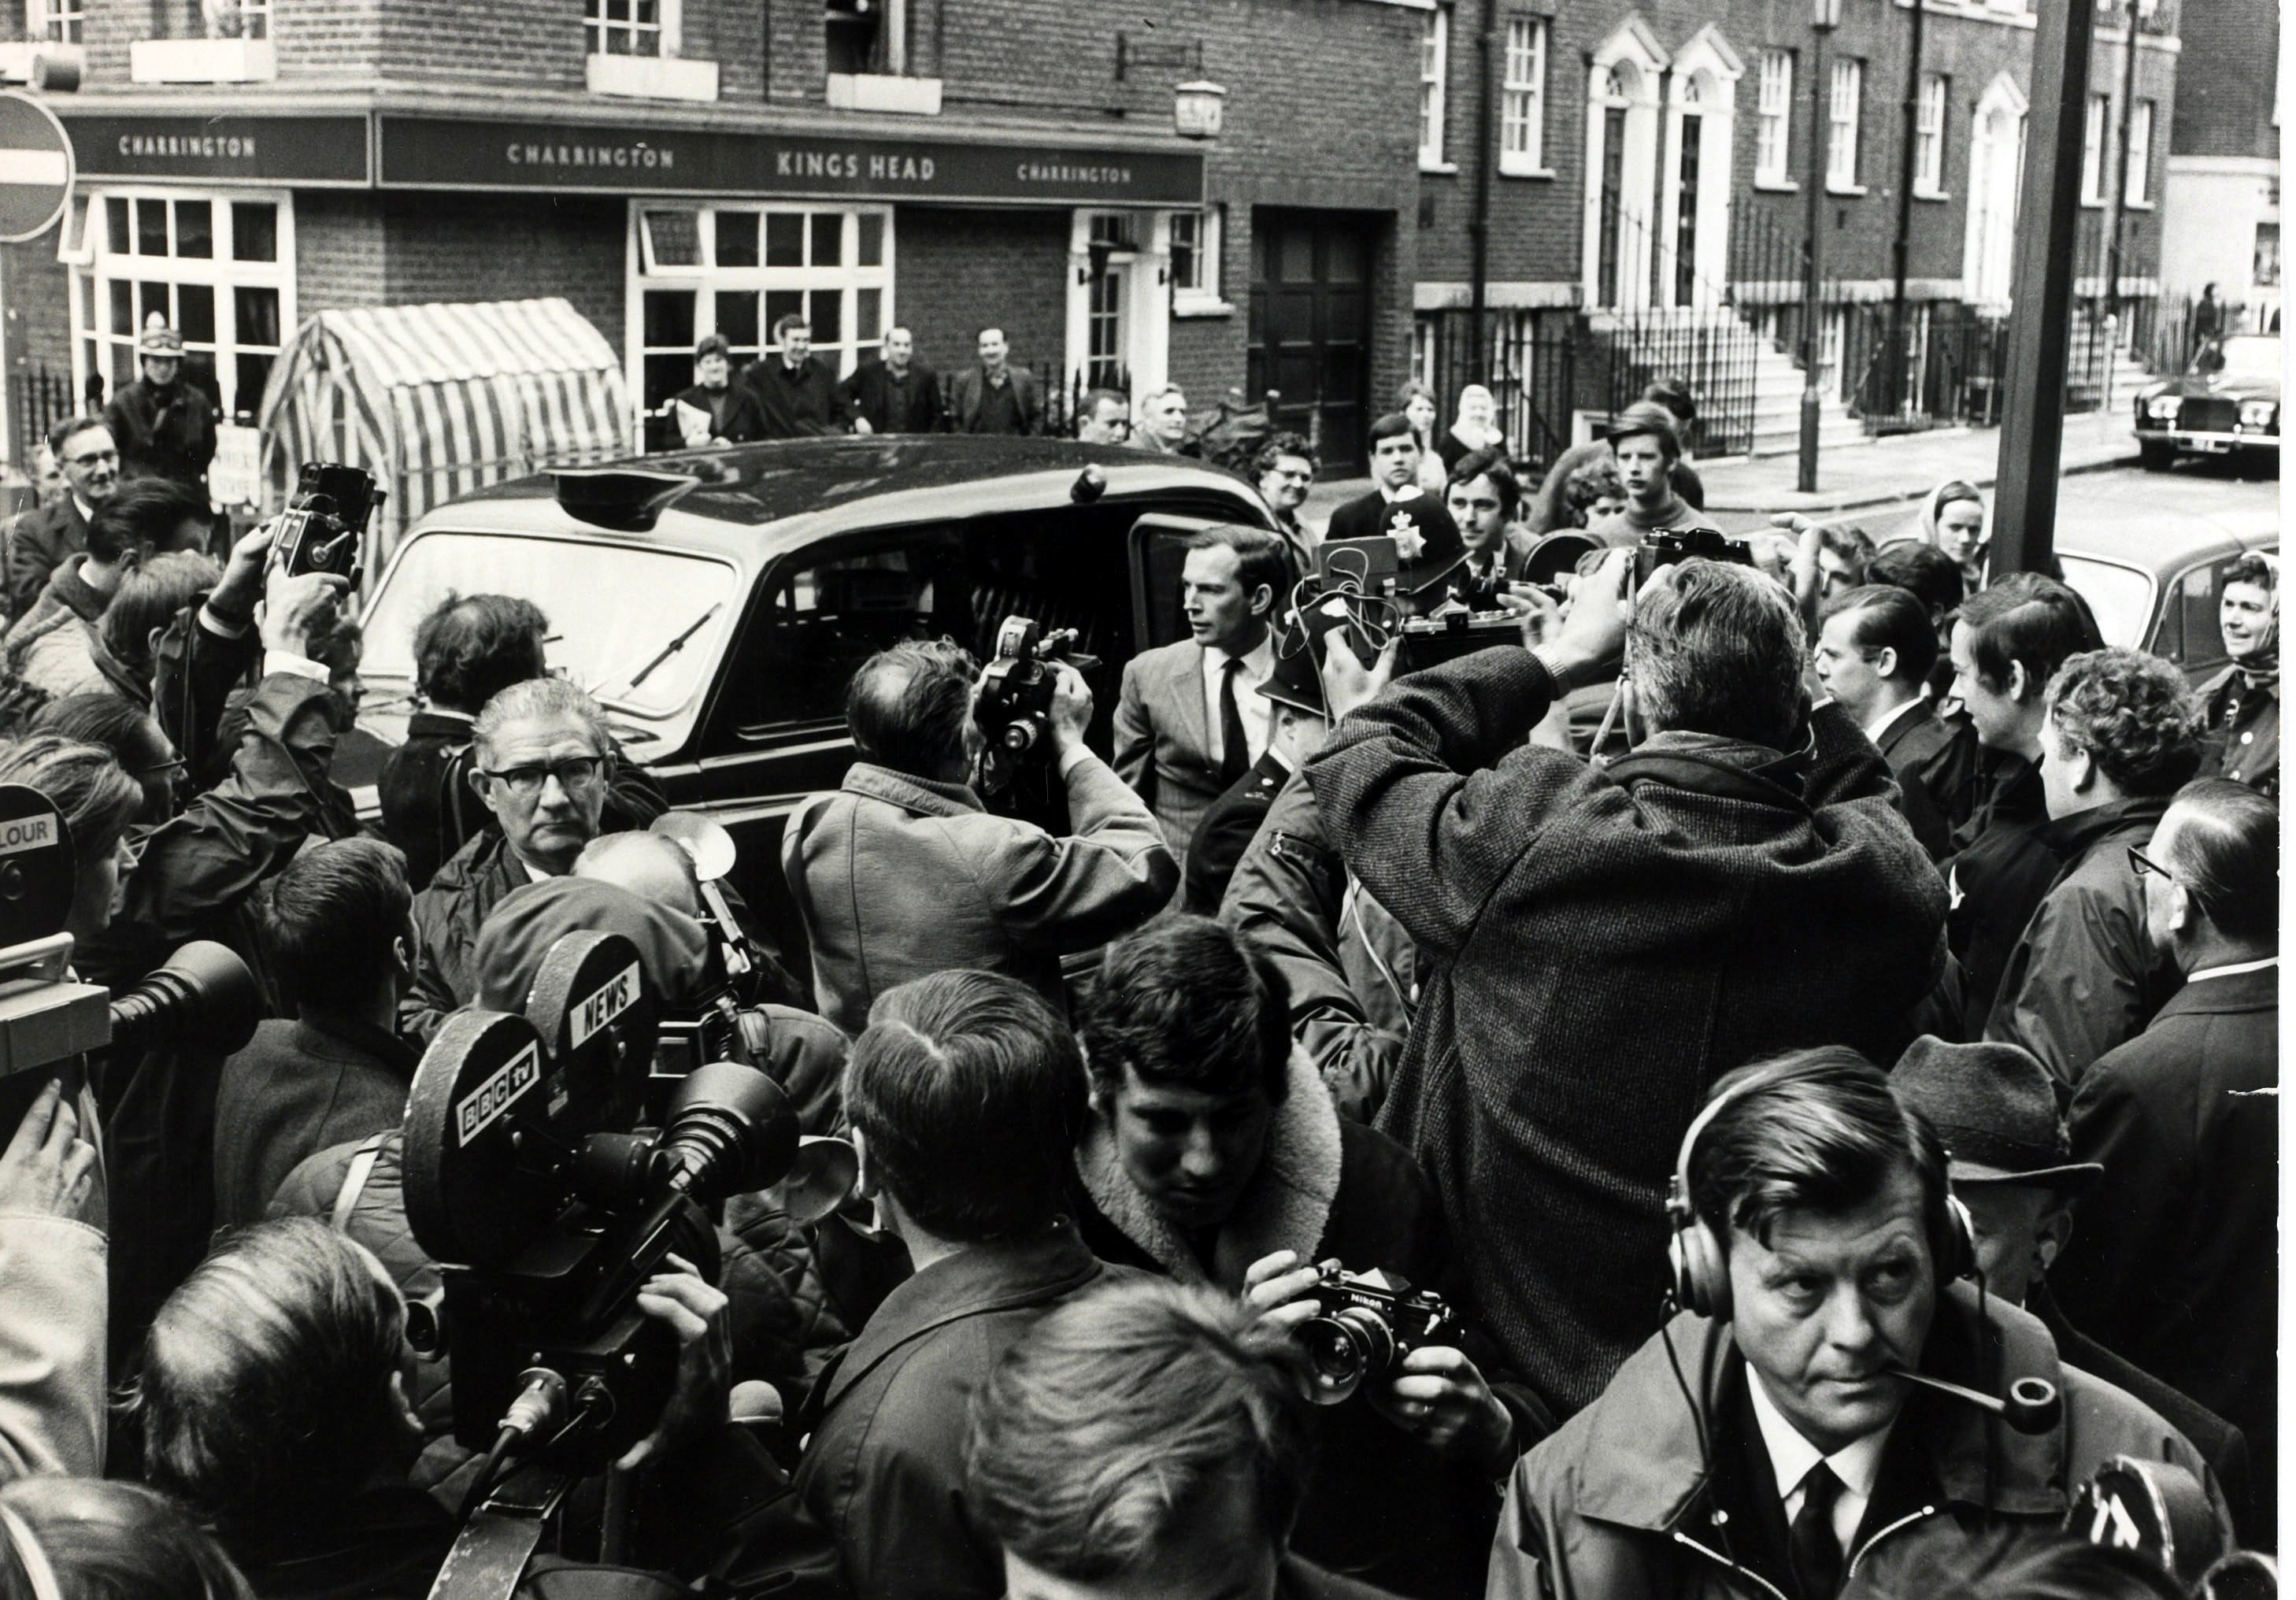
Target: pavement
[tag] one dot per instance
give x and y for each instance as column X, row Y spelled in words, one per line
column 1741, row 492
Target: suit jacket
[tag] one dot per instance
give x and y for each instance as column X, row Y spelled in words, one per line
column 911, row 407
column 1913, row 745
column 169, row 433
column 298, row 1088
column 794, row 405
column 1373, row 516
column 2173, row 1262
column 1163, row 742
column 741, row 422
column 964, row 400
column 2000, row 876
column 1227, row 827
column 38, row 542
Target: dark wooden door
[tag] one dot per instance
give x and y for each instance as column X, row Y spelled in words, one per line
column 1311, row 326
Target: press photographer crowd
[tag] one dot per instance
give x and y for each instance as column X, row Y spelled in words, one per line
column 1541, row 1050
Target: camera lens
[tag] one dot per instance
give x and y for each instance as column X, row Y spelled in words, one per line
column 1343, row 1348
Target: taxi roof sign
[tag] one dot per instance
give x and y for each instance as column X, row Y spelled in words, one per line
column 36, row 168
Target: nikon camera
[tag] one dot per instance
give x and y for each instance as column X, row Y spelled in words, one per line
column 1665, row 547
column 1365, row 1324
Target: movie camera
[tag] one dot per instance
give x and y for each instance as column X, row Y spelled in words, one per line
column 1014, row 705
column 202, row 999
column 2155, row 1508
column 323, row 529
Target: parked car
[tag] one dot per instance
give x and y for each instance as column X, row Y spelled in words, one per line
column 2159, row 589
column 717, row 602
column 2227, row 402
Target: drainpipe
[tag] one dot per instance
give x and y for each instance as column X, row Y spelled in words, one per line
column 1898, row 247
column 1480, row 230
column 2117, row 195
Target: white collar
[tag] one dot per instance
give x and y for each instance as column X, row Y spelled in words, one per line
column 87, row 511
column 1858, row 1464
column 1259, row 661
column 1409, row 491
column 533, row 874
column 2232, row 971
column 1881, row 725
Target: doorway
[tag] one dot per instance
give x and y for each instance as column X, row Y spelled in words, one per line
column 1310, row 334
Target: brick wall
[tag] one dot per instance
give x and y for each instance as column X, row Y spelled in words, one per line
column 2225, row 97
column 338, row 252
column 490, row 247
column 956, row 272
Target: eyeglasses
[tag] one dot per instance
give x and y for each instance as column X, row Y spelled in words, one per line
column 91, row 458
column 2140, row 863
column 575, row 772
column 165, row 769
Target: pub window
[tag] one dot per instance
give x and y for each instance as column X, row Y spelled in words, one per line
column 1196, row 256
column 1841, row 130
column 866, row 35
column 240, row 19
column 61, row 22
column 2136, row 189
column 630, row 27
column 736, row 270
column 218, row 268
column 1928, row 135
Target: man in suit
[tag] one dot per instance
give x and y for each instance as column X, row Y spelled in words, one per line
column 2011, row 1163
column 45, row 537
column 1875, row 651
column 1426, row 539
column 796, row 393
column 896, row 393
column 1298, row 722
column 1187, row 723
column 995, row 396
column 2175, row 1264
column 1482, row 499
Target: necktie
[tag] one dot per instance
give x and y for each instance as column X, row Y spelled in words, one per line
column 1812, row 1550
column 1236, row 756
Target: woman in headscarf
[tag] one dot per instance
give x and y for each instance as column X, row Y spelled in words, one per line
column 1953, row 519
column 1416, row 401
column 2243, row 702
column 1474, row 429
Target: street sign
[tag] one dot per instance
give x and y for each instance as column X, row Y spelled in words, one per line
column 36, row 168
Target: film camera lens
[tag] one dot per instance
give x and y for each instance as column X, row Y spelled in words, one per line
column 203, row 998
column 1343, row 1348
column 1367, row 1323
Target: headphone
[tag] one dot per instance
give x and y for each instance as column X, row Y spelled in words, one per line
column 1699, row 1265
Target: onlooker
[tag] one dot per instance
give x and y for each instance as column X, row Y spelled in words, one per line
column 903, row 870
column 42, row 538
column 1297, row 724
column 338, row 944
column 2012, row 1164
column 91, row 1539
column 1474, row 429
column 1764, row 1430
column 135, row 740
column 1873, row 655
column 1163, row 421
column 1215, row 1155
column 1931, row 576
column 1551, row 508
column 1147, row 1438
column 1426, row 540
column 2242, row 702
column 2175, row 1265
column 2122, row 735
column 2207, row 315
column 51, row 1290
column 1188, row 724
column 795, row 391
column 1647, row 924
column 2007, row 643
column 1416, row 403
column 965, row 1094
column 1953, row 519
column 543, row 762
column 1594, row 491
column 120, row 654
column 992, row 395
column 1674, row 394
column 1285, row 471
column 166, row 428
column 1483, row 499
column 1647, row 448
column 1842, row 554
column 894, row 392
column 717, row 410
column 1104, row 418
column 149, row 514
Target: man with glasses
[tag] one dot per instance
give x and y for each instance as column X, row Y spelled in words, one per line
column 44, row 538
column 543, row 760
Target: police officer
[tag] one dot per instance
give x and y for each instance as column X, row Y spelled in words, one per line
column 165, row 427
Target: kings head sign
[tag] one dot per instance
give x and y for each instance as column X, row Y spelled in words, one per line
column 35, row 169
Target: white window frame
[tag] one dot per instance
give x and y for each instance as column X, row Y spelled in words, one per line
column 1522, row 99
column 2096, row 116
column 1929, row 135
column 61, row 22
column 99, row 263
column 1203, row 295
column 254, row 19
column 2137, row 182
column 601, row 30
column 706, row 280
column 1774, row 119
column 1434, row 81
column 1845, row 92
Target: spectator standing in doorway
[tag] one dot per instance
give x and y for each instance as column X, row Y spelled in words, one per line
column 717, row 410
column 995, row 396
column 796, row 393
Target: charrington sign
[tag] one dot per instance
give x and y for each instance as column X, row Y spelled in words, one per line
column 306, row 152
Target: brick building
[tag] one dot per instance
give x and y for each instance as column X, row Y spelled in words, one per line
column 678, row 167
column 2220, row 204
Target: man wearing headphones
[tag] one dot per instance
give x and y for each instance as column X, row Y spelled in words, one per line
column 1786, row 1427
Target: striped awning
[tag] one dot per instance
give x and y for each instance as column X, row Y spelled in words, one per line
column 439, row 400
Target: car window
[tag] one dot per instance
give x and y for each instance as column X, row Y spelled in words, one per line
column 2122, row 597
column 2199, row 594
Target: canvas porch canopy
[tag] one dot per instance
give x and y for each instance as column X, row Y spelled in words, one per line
column 439, row 400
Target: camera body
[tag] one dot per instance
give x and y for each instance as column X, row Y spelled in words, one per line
column 1665, row 547
column 1365, row 1324
column 324, row 525
column 1431, row 641
column 1014, row 705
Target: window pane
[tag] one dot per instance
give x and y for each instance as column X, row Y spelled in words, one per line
column 195, row 311
column 254, row 231
column 1345, row 259
column 785, row 239
column 668, row 318
column 736, row 311
column 868, row 315
column 194, row 229
column 150, row 227
column 253, row 369
column 784, row 303
column 870, row 251
column 115, row 225
column 257, row 314
column 123, row 307
column 153, row 304
column 828, row 314
column 676, row 237
column 665, row 375
column 737, row 239
column 829, row 239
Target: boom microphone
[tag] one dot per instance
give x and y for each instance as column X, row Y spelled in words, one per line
column 2033, row 1406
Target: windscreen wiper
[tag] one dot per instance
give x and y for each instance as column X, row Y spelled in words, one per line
column 676, row 644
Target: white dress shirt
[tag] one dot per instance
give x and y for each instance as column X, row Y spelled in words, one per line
column 1259, row 662
column 2234, row 971
column 1857, row 1463
column 1881, row 725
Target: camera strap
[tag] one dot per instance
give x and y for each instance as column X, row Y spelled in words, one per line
column 490, row 1555
column 362, row 1168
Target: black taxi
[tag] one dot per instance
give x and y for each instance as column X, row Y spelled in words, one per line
column 717, row 602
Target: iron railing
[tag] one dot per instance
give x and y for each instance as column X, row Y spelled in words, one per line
column 1529, row 361
column 39, row 399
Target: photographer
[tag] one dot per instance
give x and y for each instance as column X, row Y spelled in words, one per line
column 1605, row 940
column 904, row 871
column 1215, row 1153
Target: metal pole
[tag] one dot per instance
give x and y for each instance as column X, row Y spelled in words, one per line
column 1805, row 478
column 1899, row 246
column 1478, row 370
column 2040, row 322
column 2117, row 197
